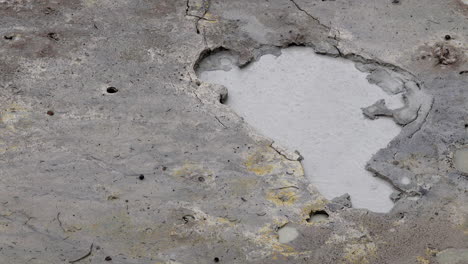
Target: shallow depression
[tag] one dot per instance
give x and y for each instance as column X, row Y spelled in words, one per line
column 312, row 103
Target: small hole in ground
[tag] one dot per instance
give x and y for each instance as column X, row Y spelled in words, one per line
column 53, row 35
column 222, row 99
column 216, row 259
column 51, row 113
column 188, row 218
column 49, row 10
column 112, row 90
column 317, row 216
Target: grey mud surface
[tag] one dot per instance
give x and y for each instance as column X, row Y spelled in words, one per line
column 214, row 190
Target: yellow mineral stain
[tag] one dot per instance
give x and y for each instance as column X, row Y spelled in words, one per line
column 268, row 237
column 284, row 250
column 225, row 221
column 190, row 169
column 260, row 162
column 422, row 260
column 4, row 148
column 297, row 168
column 184, row 170
column 11, row 115
column 283, row 197
column 4, row 226
column 90, row 3
column 426, row 259
column 359, row 253
column 6, row 213
column 317, row 205
column 210, row 18
column 431, row 252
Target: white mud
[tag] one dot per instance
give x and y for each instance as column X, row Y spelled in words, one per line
column 312, row 103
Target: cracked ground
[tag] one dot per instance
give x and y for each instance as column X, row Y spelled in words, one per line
column 113, row 151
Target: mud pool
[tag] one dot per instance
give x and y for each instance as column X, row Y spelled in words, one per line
column 312, row 103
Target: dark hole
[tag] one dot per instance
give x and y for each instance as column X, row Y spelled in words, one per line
column 51, row 113
column 423, row 57
column 463, row 72
column 10, row 37
column 448, row 37
column 48, row 10
column 466, row 125
column 317, row 213
column 53, row 36
column 223, row 98
column 216, row 259
column 188, row 218
column 108, row 258
column 112, row 90
column 395, row 1
column 141, row 177
column 201, row 179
